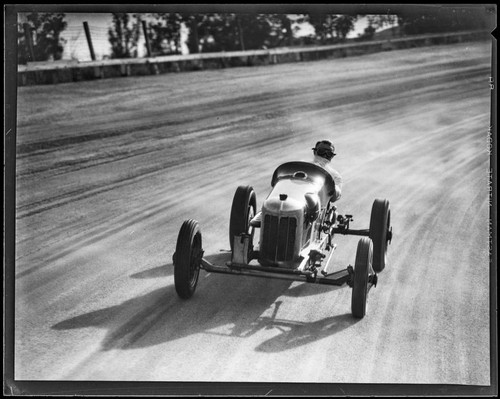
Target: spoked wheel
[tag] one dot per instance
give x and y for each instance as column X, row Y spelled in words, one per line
column 242, row 212
column 362, row 266
column 187, row 258
column 380, row 232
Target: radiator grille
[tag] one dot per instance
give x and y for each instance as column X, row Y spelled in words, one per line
column 278, row 238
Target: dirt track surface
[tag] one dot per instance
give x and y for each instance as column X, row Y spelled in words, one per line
column 108, row 170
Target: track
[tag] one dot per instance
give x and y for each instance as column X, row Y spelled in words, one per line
column 108, row 170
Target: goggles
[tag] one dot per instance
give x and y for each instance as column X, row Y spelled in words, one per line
column 323, row 152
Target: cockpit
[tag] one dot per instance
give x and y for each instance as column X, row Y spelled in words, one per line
column 300, row 172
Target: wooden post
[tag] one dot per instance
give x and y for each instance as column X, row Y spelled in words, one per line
column 194, row 29
column 240, row 32
column 146, row 37
column 89, row 40
column 29, row 40
column 288, row 27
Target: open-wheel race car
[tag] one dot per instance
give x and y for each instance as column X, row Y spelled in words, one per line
column 297, row 224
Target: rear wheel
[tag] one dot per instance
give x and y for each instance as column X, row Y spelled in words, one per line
column 242, row 212
column 380, row 232
column 362, row 265
column 187, row 259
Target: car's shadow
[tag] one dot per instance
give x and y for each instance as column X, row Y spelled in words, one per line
column 222, row 304
column 155, row 272
column 294, row 334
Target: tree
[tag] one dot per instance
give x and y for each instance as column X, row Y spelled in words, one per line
column 369, row 32
column 323, row 28
column 376, row 22
column 330, row 28
column 164, row 32
column 343, row 25
column 380, row 21
column 192, row 21
column 221, row 32
column 124, row 35
column 227, row 32
column 283, row 28
column 256, row 30
column 45, row 30
column 243, row 31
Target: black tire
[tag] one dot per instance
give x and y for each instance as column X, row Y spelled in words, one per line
column 242, row 211
column 380, row 232
column 187, row 258
column 362, row 266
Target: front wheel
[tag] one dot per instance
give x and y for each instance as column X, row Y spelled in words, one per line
column 362, row 266
column 380, row 232
column 187, row 259
column 242, row 212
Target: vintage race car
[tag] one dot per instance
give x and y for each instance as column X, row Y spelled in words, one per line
column 296, row 224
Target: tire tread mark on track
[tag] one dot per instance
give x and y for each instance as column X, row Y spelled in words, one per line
column 104, row 158
column 86, row 192
column 95, row 237
column 419, row 231
column 27, row 148
column 97, row 234
column 260, row 98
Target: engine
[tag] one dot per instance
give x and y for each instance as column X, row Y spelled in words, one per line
column 285, row 227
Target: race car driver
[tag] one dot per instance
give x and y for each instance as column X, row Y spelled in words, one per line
column 324, row 151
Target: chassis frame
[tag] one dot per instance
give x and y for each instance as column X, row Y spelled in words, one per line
column 311, row 269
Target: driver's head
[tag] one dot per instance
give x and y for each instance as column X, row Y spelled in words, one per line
column 324, row 149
